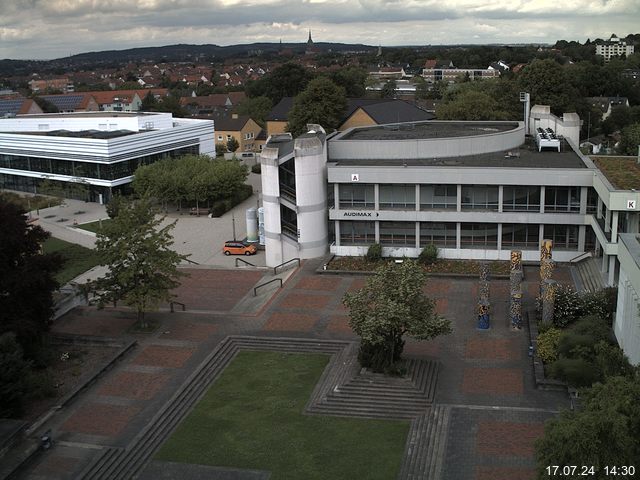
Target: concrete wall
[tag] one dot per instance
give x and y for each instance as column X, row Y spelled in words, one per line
column 568, row 126
column 627, row 322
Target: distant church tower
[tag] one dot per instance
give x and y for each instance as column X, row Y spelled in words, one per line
column 379, row 50
column 311, row 48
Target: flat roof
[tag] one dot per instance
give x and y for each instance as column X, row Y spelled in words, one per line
column 622, row 172
column 431, row 129
column 90, row 114
column 97, row 134
column 526, row 156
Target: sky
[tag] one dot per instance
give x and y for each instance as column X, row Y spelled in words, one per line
column 47, row 29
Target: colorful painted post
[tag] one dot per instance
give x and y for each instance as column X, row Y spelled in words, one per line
column 548, row 301
column 515, row 297
column 484, row 305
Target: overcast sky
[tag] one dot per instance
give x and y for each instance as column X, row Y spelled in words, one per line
column 45, row 29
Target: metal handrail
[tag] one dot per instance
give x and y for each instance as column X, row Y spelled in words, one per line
column 583, row 254
column 177, row 303
column 191, row 261
column 285, row 263
column 244, row 261
column 255, row 290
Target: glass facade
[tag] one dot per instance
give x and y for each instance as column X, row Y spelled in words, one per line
column 480, row 197
column 438, row 197
column 287, row 176
column 90, row 170
column 565, row 237
column 397, row 196
column 398, row 234
column 439, row 234
column 562, row 199
column 521, row 199
column 357, row 233
column 516, row 235
column 479, row 235
column 356, row 196
column 289, row 222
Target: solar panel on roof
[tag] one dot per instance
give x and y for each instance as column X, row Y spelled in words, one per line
column 67, row 102
column 10, row 106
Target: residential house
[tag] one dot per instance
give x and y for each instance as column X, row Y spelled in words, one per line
column 614, row 47
column 607, row 104
column 242, row 128
column 62, row 84
column 73, row 102
column 11, row 107
column 211, row 104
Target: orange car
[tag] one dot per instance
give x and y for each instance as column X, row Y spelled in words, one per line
column 233, row 247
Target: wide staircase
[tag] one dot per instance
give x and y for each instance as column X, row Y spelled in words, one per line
column 589, row 275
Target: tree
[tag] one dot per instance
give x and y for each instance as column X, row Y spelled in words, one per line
column 322, row 102
column 352, row 79
column 26, row 279
column 630, row 141
column 13, row 371
column 392, row 304
column 604, row 432
column 388, row 89
column 256, row 108
column 287, row 80
column 471, row 105
column 142, row 268
column 549, row 84
column 232, row 144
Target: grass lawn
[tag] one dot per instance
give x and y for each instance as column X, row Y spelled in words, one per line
column 93, row 226
column 622, row 172
column 78, row 259
column 252, row 418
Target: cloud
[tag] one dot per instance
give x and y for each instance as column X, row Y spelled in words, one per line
column 50, row 28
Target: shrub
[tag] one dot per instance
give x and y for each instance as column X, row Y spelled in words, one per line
column 612, row 361
column 572, row 345
column 428, row 255
column 256, row 168
column 601, row 303
column 567, row 306
column 13, row 371
column 374, row 253
column 577, row 372
column 592, row 325
column 547, row 345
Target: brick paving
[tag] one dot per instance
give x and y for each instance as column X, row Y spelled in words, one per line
column 136, row 385
column 290, row 322
column 507, row 438
column 485, row 377
column 163, row 356
column 493, row 381
column 100, row 419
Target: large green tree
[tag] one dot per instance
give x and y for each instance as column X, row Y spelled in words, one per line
column 26, row 279
column 352, row 79
column 322, row 102
column 256, row 108
column 14, row 370
column 604, row 432
column 630, row 141
column 287, row 80
column 391, row 305
column 471, row 105
column 142, row 267
column 549, row 84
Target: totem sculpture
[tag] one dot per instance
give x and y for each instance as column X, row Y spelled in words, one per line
column 547, row 285
column 548, row 301
column 484, row 321
column 515, row 282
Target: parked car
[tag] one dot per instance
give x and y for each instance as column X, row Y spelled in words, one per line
column 233, row 247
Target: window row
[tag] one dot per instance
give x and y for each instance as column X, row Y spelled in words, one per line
column 444, row 235
column 473, row 197
column 101, row 171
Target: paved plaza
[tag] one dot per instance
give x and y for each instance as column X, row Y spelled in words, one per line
column 488, row 409
column 485, row 382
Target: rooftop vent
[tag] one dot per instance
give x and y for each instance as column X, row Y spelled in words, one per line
column 546, row 138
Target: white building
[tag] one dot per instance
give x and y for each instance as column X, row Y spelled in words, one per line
column 627, row 322
column 614, row 47
column 99, row 150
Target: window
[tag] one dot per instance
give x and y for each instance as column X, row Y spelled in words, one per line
column 228, row 137
column 564, row 237
column 592, row 201
column 520, row 236
column 399, row 196
column 289, row 222
column 398, row 234
column 357, row 233
column 356, row 196
column 220, row 138
column 439, row 234
column 521, row 199
column 287, row 175
column 479, row 197
column 479, row 235
column 562, row 199
column 435, row 197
